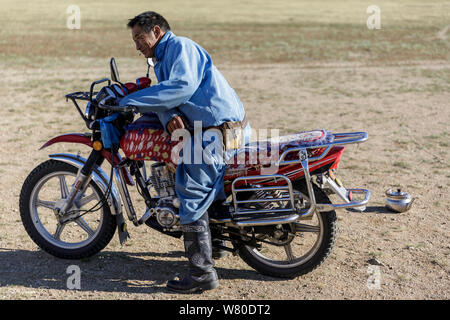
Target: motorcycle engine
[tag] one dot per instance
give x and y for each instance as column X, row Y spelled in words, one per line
column 163, row 181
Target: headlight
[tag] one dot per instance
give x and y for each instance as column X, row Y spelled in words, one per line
column 90, row 111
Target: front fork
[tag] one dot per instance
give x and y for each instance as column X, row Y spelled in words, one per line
column 82, row 180
column 84, row 176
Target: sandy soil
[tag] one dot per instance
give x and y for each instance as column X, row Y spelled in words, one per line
column 403, row 107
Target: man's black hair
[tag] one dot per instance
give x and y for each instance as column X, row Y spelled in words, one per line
column 147, row 20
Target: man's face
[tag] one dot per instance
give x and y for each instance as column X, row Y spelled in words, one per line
column 146, row 42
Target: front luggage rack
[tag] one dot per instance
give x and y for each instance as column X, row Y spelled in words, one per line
column 86, row 96
column 83, row 95
column 79, row 95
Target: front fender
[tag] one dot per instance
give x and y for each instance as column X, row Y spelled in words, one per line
column 70, row 137
column 85, row 138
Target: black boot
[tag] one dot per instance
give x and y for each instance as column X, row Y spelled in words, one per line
column 197, row 244
column 218, row 211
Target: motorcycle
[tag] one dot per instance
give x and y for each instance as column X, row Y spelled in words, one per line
column 282, row 224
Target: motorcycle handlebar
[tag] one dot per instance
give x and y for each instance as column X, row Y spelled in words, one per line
column 117, row 108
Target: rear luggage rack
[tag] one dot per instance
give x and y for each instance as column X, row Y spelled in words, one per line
column 339, row 139
column 289, row 213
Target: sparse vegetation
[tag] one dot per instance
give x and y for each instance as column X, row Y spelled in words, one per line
column 296, row 65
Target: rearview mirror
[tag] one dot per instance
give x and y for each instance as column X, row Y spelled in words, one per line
column 114, row 72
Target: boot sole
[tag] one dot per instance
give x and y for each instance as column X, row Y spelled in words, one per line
column 199, row 289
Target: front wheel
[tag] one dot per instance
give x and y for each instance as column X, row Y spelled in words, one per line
column 291, row 250
column 46, row 189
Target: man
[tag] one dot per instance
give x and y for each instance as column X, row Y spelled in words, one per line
column 189, row 89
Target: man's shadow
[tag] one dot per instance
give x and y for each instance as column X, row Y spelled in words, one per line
column 108, row 271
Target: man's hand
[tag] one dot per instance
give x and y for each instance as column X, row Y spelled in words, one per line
column 174, row 124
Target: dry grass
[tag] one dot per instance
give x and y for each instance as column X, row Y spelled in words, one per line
column 250, row 32
column 393, row 83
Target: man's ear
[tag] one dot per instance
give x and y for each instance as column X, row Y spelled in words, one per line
column 157, row 31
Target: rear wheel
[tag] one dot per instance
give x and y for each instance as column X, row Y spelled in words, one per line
column 46, row 189
column 291, row 250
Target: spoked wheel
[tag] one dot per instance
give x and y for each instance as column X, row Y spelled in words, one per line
column 291, row 250
column 75, row 237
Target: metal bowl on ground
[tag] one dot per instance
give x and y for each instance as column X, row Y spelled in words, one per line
column 398, row 200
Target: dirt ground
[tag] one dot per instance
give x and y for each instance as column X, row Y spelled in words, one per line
column 404, row 108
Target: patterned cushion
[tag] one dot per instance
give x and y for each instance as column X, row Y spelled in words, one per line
column 145, row 139
column 267, row 152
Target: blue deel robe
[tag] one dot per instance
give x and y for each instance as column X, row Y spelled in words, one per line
column 191, row 86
